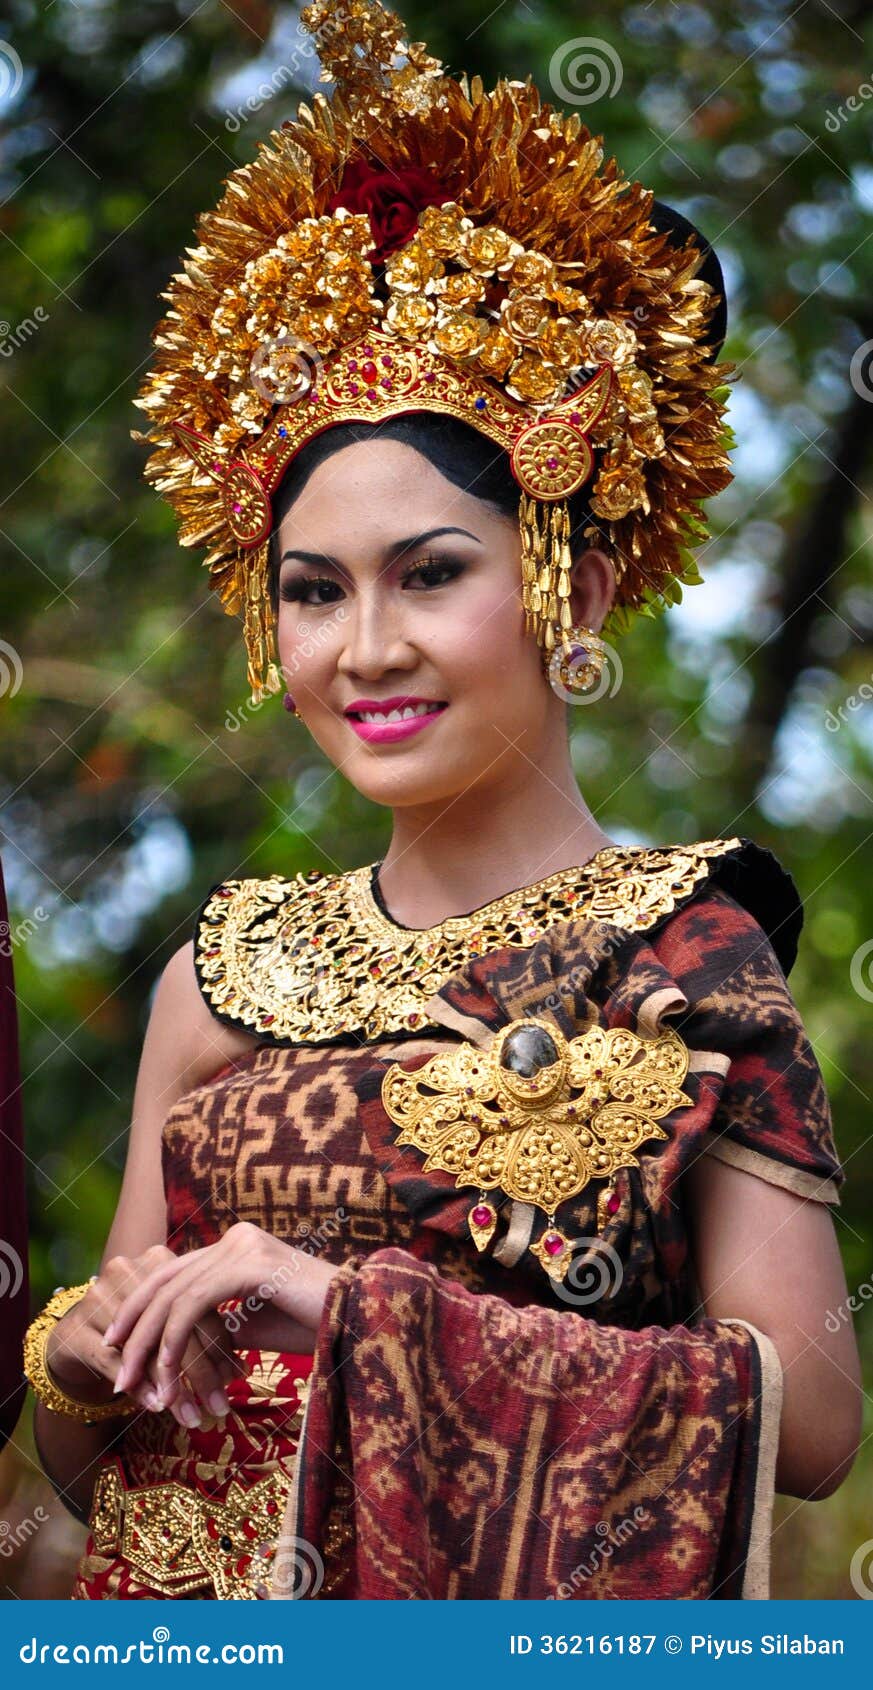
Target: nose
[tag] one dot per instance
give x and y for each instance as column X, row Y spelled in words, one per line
column 374, row 637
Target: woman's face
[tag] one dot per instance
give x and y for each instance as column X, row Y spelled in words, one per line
column 396, row 584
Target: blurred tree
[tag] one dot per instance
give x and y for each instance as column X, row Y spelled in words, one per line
column 134, row 777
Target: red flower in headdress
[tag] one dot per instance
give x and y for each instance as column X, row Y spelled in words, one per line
column 392, row 199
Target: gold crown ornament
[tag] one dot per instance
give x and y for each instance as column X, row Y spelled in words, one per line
column 413, row 243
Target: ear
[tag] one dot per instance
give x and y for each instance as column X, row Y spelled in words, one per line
column 593, row 585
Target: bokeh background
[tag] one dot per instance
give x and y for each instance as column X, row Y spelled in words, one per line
column 127, row 786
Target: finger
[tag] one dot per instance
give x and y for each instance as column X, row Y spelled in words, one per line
column 141, row 1294
column 203, row 1377
column 146, row 1335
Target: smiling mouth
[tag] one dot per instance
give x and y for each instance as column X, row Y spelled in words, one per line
column 404, row 714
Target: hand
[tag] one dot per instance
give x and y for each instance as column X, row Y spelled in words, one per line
column 83, row 1363
column 155, row 1322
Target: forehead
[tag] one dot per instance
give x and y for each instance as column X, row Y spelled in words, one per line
column 378, row 486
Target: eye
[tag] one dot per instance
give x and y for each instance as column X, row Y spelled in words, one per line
column 431, row 567
column 298, row 589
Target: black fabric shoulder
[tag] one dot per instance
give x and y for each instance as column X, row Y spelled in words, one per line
column 755, row 878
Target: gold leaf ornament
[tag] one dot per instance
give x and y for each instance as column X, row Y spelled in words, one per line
column 536, row 1115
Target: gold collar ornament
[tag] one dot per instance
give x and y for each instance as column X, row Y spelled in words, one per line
column 538, row 1116
column 416, row 243
column 313, row 957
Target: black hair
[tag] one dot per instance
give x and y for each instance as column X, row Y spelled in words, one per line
column 460, row 452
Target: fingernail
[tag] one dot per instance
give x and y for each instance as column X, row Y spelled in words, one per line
column 151, row 1399
column 189, row 1414
column 120, row 1380
column 218, row 1403
column 109, row 1334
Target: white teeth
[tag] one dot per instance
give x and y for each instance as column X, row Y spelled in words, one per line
column 403, row 715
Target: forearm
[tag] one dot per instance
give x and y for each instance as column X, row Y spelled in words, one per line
column 820, row 1426
column 71, row 1453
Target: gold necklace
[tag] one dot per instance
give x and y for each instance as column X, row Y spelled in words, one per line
column 312, row 957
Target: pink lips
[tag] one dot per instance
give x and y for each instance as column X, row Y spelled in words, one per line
column 385, row 732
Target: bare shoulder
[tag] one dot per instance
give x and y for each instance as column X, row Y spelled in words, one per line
column 186, row 1038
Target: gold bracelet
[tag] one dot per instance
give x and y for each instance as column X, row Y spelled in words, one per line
column 37, row 1370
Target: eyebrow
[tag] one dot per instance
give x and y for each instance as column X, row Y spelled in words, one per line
column 392, row 552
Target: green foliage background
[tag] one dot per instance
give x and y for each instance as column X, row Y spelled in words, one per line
column 124, row 794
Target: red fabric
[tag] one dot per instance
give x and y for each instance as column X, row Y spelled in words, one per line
column 14, row 1301
column 521, row 1454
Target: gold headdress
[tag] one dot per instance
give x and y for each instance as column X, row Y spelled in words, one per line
column 415, row 243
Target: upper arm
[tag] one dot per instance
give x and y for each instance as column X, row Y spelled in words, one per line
column 184, row 1044
column 765, row 1255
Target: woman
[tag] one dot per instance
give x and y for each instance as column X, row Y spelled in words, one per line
column 562, row 1333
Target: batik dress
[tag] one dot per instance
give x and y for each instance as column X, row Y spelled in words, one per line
column 485, row 1124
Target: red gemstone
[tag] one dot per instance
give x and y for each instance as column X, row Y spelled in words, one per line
column 268, row 1020
column 551, row 463
column 553, row 1243
column 574, row 416
column 353, row 387
column 369, row 372
column 272, row 1507
column 481, row 1215
column 613, row 1203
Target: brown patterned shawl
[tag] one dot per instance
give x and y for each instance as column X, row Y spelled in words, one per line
column 466, row 1444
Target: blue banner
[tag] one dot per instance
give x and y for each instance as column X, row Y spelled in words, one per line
column 428, row 1646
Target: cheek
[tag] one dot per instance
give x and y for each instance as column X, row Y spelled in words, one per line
column 486, row 638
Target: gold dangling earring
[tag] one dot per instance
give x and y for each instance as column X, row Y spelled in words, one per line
column 576, row 665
